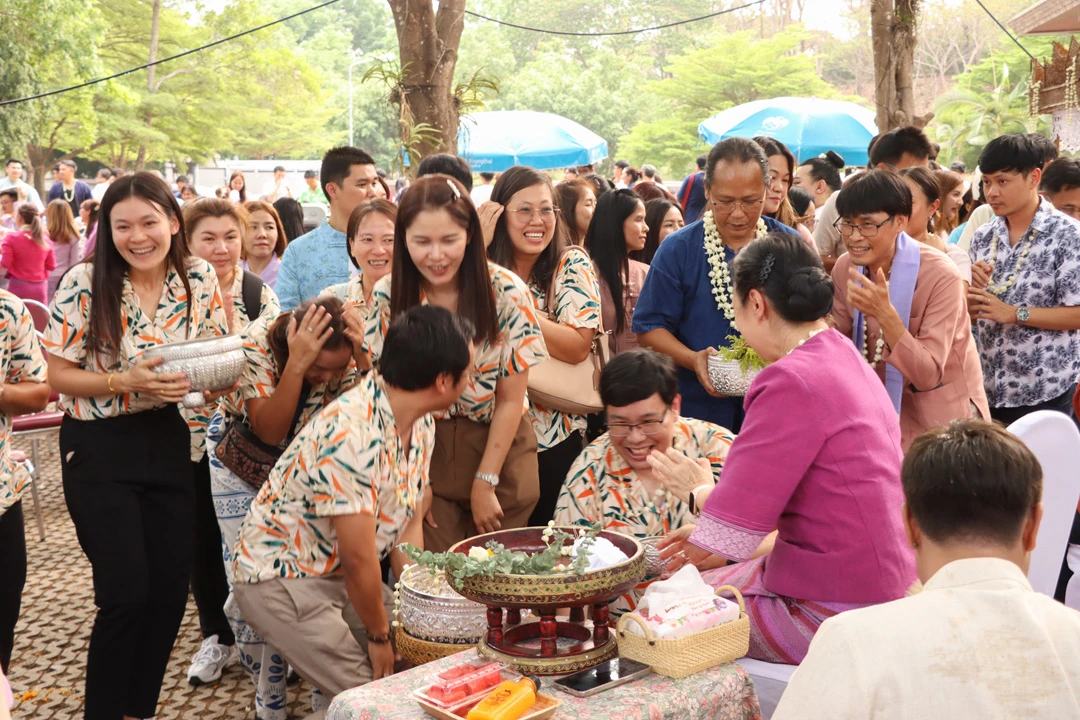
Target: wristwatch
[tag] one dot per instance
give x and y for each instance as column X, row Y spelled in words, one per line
column 490, row 478
column 695, row 509
column 1022, row 314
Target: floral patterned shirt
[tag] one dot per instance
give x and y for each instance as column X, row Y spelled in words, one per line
column 261, row 376
column 65, row 336
column 349, row 460
column 198, row 418
column 601, row 487
column 520, row 344
column 21, row 361
column 1024, row 365
column 351, row 293
column 577, row 305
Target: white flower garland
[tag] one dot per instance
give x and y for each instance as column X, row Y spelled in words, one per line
column 1000, row 290
column 719, row 274
column 879, row 350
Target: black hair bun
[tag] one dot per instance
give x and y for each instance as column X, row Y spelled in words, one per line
column 810, row 294
column 835, row 159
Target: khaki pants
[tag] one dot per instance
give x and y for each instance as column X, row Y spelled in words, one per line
column 314, row 626
column 459, row 446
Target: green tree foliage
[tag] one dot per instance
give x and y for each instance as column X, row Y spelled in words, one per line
column 735, row 69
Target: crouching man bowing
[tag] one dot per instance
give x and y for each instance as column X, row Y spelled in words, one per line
column 351, row 486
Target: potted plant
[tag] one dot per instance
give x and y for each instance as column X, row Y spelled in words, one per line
column 734, row 367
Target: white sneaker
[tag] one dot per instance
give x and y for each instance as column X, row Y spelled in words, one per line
column 210, row 661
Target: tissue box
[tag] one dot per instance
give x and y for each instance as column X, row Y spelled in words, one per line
column 694, row 616
column 691, row 653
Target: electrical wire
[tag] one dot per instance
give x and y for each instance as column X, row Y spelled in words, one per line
column 613, row 32
column 96, row 81
column 1005, row 30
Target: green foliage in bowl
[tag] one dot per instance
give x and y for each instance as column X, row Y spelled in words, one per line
column 748, row 359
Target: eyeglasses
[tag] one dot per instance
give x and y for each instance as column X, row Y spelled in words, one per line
column 649, row 427
column 546, row 214
column 728, row 206
column 809, row 221
column 866, row 230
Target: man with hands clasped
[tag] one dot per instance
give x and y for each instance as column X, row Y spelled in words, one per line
column 902, row 303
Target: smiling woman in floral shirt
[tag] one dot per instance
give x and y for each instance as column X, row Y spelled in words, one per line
column 125, row 448
column 22, row 370
column 530, row 240
column 485, row 475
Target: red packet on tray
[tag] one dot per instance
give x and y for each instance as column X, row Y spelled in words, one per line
column 463, row 684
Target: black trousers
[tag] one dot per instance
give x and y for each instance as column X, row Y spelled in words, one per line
column 128, row 487
column 1062, row 404
column 553, row 464
column 208, row 582
column 12, row 578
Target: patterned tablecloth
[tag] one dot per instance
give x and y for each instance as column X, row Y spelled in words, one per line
column 724, row 693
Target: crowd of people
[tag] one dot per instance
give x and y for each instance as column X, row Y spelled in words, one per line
column 386, row 398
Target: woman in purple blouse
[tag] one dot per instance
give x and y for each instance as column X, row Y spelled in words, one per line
column 817, row 461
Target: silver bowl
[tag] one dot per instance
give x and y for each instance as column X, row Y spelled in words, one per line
column 654, row 565
column 430, row 609
column 209, row 364
column 728, row 378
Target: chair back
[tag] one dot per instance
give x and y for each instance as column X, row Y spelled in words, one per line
column 313, row 215
column 39, row 312
column 1055, row 441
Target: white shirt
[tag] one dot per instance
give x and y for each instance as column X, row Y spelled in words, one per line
column 481, row 194
column 977, row 642
column 979, row 217
column 273, row 190
column 98, row 191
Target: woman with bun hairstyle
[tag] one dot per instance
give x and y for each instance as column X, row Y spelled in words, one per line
column 825, row 478
column 297, row 363
column 903, row 304
column 125, row 449
column 820, row 176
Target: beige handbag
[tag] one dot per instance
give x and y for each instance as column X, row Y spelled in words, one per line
column 564, row 386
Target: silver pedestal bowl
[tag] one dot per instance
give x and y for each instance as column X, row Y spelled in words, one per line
column 209, row 364
column 728, row 378
column 433, row 611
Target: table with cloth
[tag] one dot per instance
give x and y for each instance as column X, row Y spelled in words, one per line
column 724, row 692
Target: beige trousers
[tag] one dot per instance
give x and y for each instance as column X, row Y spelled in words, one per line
column 314, row 626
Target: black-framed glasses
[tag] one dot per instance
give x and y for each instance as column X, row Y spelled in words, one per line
column 866, row 229
column 728, row 206
column 649, row 427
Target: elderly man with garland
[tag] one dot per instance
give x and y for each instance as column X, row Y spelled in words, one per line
column 685, row 309
column 1025, row 292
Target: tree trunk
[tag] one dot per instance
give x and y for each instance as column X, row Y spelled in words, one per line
column 428, row 50
column 892, row 31
column 151, row 73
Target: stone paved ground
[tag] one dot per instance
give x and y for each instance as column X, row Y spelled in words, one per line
column 49, row 663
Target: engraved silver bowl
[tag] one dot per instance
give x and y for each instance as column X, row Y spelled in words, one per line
column 430, row 609
column 209, row 364
column 728, row 378
column 654, row 565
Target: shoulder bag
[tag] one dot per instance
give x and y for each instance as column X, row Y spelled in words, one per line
column 568, row 387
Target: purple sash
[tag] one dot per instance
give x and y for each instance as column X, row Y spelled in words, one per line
column 905, row 271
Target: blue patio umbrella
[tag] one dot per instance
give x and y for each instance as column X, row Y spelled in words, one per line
column 808, row 126
column 498, row 140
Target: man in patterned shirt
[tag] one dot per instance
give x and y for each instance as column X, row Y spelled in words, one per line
column 1025, row 292
column 612, row 481
column 352, row 486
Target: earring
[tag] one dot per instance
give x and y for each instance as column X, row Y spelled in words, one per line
column 915, row 545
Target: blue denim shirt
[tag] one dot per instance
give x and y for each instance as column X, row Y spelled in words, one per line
column 312, row 263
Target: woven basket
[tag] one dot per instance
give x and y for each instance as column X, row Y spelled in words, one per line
column 691, row 654
column 420, row 652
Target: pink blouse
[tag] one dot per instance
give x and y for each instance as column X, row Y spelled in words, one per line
column 818, row 460
column 25, row 260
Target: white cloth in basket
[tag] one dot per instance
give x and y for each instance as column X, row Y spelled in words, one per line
column 682, row 605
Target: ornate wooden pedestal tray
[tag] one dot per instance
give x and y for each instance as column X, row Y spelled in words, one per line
column 550, row 645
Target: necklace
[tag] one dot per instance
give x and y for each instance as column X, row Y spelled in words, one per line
column 879, row 348
column 69, row 195
column 720, row 274
column 806, row 339
column 1004, row 287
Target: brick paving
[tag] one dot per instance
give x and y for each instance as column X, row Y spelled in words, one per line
column 49, row 662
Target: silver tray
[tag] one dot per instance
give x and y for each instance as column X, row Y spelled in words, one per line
column 442, row 615
column 728, row 378
column 209, row 363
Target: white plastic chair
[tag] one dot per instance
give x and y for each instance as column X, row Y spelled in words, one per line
column 1055, row 441
column 770, row 681
column 314, row 215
